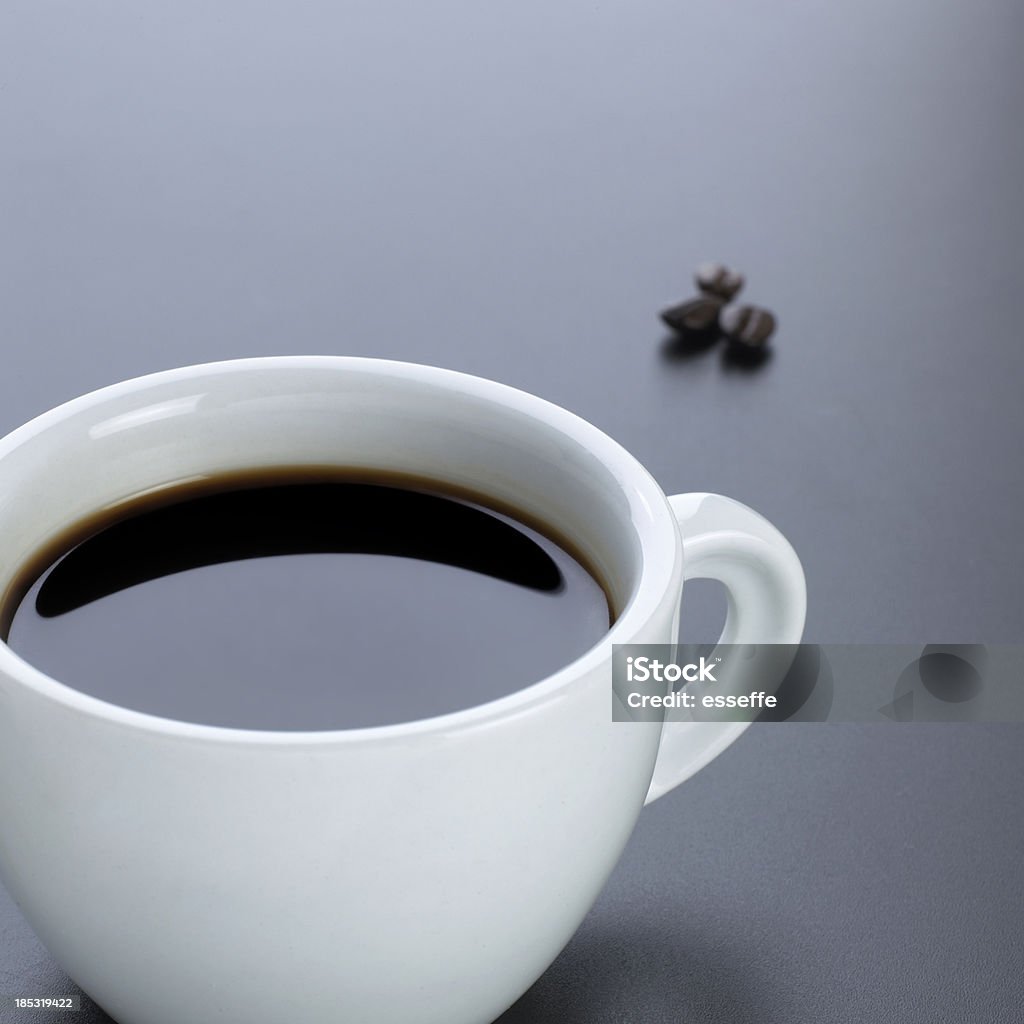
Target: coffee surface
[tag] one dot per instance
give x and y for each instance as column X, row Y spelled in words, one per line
column 303, row 601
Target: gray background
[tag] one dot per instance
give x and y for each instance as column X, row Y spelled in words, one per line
column 515, row 190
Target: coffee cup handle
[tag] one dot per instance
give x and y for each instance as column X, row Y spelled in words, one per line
column 725, row 540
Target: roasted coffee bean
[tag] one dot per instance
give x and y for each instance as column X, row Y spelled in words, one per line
column 716, row 279
column 695, row 315
column 750, row 326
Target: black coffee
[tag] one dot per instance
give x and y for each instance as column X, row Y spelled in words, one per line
column 302, row 600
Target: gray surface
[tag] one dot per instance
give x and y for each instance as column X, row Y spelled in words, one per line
column 516, row 192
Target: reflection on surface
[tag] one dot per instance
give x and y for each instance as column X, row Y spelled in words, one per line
column 688, row 345
column 737, row 357
column 678, row 348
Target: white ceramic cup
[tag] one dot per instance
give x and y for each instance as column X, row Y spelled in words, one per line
column 420, row 873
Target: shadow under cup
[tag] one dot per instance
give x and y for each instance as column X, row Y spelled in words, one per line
column 170, row 867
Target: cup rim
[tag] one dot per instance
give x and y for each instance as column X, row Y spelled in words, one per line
column 656, row 528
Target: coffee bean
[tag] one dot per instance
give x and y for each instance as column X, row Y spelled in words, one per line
column 694, row 316
column 716, row 279
column 750, row 326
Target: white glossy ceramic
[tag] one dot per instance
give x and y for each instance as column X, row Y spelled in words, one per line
column 421, row 873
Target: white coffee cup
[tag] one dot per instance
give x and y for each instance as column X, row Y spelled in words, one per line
column 420, row 873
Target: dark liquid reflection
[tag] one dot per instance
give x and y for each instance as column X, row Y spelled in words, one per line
column 319, row 518
column 269, row 602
